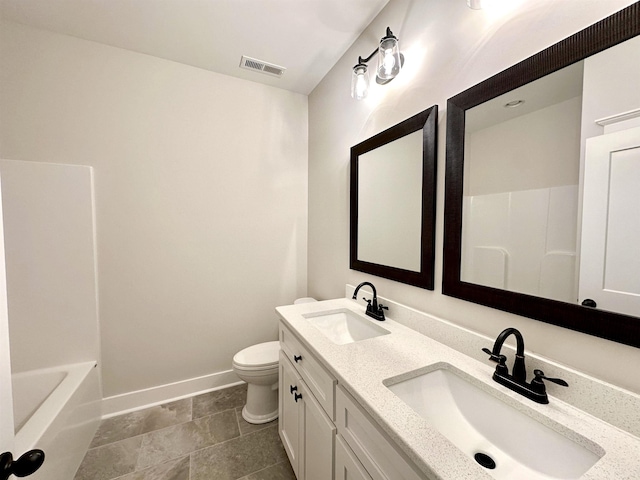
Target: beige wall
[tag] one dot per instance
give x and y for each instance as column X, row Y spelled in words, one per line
column 448, row 48
column 201, row 196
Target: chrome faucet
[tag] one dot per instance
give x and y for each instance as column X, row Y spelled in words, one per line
column 517, row 381
column 374, row 309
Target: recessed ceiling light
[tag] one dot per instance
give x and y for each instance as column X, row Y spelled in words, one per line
column 513, row 104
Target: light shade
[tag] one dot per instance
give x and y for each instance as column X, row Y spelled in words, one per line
column 360, row 81
column 389, row 63
column 475, row 4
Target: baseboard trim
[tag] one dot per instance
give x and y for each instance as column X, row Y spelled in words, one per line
column 150, row 397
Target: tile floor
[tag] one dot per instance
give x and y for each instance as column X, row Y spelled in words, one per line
column 198, row 438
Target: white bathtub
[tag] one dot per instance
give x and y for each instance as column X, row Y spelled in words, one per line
column 57, row 410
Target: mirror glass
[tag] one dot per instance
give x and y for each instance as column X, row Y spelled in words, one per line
column 543, row 168
column 393, row 201
column 390, row 203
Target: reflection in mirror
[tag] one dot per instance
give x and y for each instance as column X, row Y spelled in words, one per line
column 520, row 205
column 393, row 201
column 541, row 200
column 390, row 203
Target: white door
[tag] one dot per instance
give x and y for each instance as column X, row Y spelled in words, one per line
column 6, row 397
column 610, row 250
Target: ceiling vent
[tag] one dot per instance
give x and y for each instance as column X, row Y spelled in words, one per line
column 262, row 67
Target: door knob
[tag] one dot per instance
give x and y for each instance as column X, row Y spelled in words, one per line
column 24, row 466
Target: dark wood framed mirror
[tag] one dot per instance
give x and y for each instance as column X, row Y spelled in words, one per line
column 393, row 199
column 479, row 283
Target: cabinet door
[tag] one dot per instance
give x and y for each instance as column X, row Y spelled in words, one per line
column 289, row 411
column 317, row 447
column 347, row 465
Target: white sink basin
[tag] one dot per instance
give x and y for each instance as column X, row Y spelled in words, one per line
column 344, row 326
column 478, row 423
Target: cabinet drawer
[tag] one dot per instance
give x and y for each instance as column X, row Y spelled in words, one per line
column 378, row 455
column 319, row 381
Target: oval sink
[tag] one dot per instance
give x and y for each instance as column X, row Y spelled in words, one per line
column 344, row 326
column 506, row 442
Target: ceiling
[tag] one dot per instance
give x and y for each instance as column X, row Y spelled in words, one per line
column 551, row 89
column 307, row 37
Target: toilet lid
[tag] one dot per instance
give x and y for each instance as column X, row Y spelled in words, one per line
column 262, row 354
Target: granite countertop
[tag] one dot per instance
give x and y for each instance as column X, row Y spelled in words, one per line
column 361, row 367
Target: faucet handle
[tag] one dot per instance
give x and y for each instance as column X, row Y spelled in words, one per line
column 539, row 376
column 501, row 360
column 382, row 307
column 493, row 357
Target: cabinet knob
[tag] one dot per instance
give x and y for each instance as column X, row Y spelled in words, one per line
column 293, row 389
column 297, row 358
column 297, row 397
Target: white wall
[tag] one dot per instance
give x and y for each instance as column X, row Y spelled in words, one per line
column 201, row 196
column 51, row 264
column 448, row 48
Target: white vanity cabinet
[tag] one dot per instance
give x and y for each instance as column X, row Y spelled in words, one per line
column 306, row 429
column 310, row 401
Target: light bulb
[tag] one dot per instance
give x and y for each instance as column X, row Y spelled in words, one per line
column 360, row 82
column 388, row 58
column 389, row 61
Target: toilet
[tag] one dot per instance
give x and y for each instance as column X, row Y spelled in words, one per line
column 257, row 365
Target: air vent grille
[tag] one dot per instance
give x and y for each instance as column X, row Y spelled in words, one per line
column 262, row 67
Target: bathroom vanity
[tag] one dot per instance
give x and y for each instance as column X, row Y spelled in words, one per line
column 378, row 400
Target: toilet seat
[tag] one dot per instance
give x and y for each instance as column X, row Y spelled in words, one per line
column 263, row 356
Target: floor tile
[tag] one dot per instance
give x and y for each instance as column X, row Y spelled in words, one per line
column 219, row 400
column 173, row 413
column 173, row 470
column 239, row 457
column 118, row 428
column 280, row 471
column 110, row 461
column 162, row 445
column 142, row 421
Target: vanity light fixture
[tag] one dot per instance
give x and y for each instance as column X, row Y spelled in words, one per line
column 475, row 4
column 390, row 62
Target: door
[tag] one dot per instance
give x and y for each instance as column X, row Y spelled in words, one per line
column 289, row 411
column 6, row 397
column 610, row 251
column 347, row 466
column 318, row 437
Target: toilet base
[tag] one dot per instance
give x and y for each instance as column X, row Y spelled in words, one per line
column 262, row 403
column 258, row 419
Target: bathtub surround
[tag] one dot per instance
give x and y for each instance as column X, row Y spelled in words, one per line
column 443, row 58
column 49, row 240
column 201, row 197
column 51, row 264
column 201, row 437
